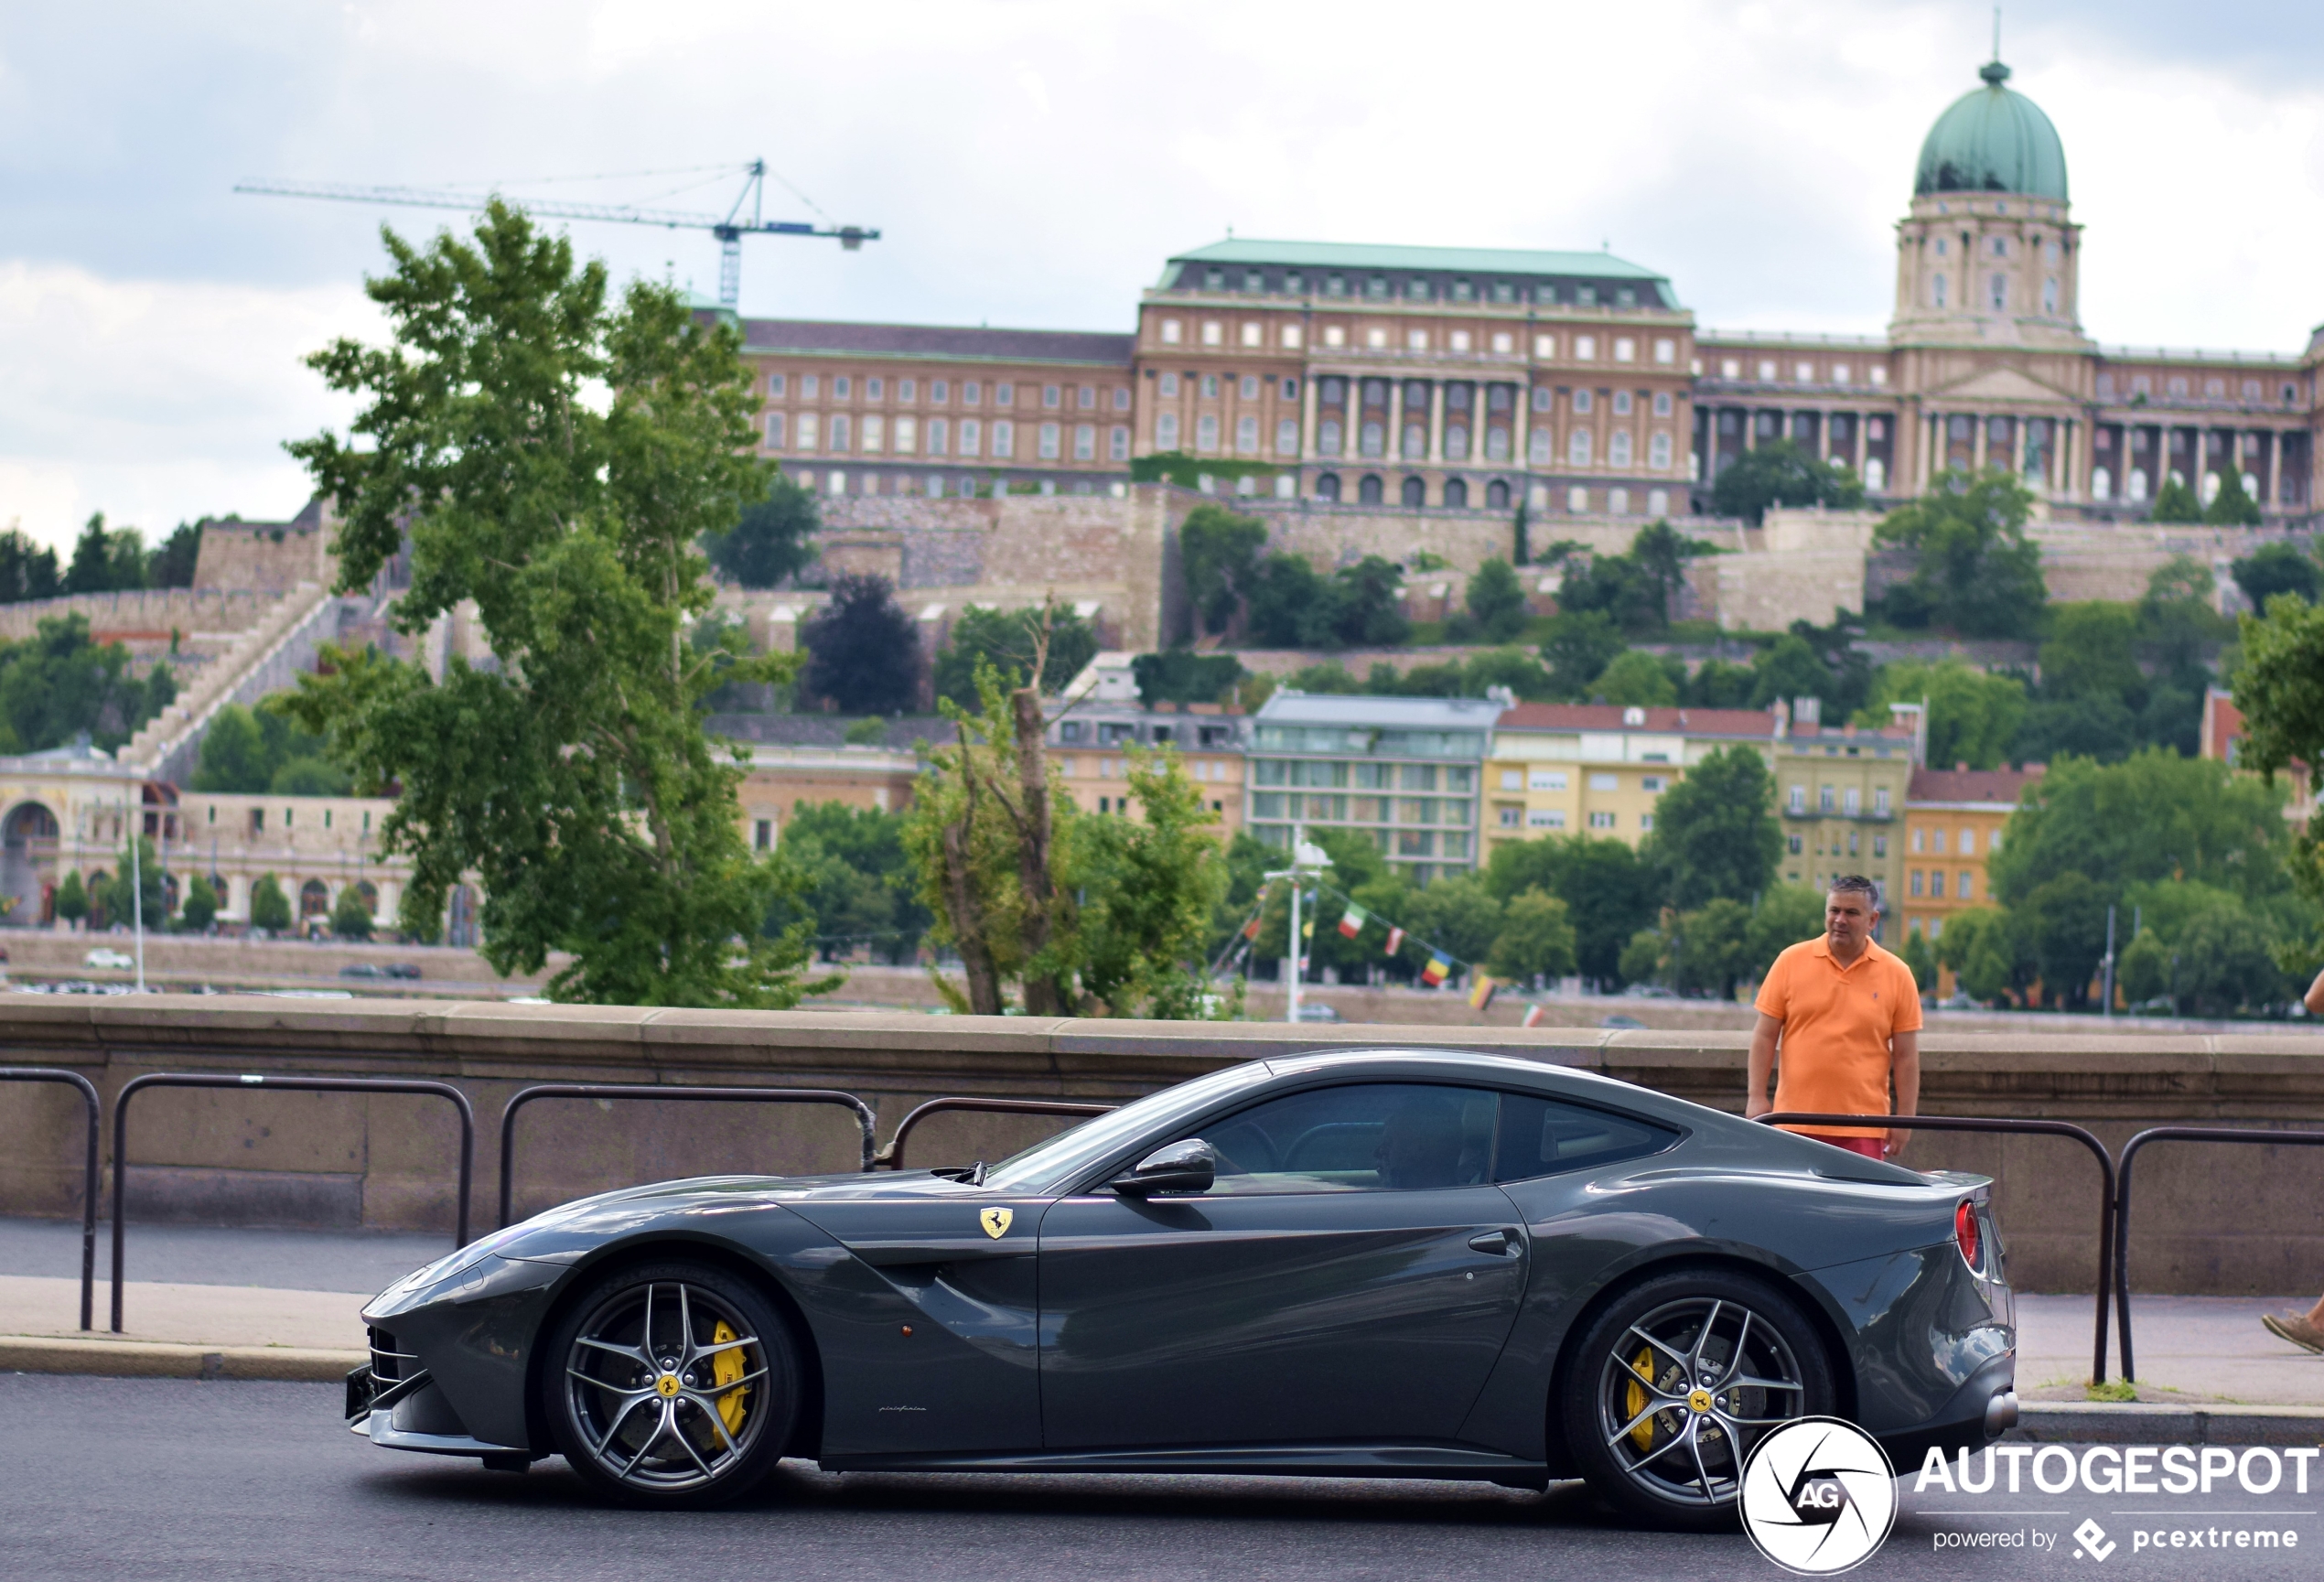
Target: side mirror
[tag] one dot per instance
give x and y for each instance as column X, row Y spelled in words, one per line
column 1188, row 1167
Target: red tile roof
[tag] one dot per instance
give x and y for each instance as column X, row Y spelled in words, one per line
column 1997, row 786
column 1749, row 722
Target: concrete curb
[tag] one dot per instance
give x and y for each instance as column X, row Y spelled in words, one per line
column 159, row 1359
column 2156, row 1423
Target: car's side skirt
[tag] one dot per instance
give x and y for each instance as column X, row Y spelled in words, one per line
column 1324, row 1460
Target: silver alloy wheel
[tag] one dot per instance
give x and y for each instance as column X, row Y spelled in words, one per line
column 1688, row 1390
column 662, row 1400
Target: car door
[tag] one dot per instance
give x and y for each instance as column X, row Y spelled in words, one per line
column 1351, row 1274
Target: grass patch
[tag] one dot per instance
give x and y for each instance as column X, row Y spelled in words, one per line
column 2112, row 1389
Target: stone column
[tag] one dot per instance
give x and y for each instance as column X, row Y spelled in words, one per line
column 1861, row 420
column 2018, row 447
column 2272, row 485
column 1437, row 423
column 1308, row 410
column 1977, row 439
column 1393, row 450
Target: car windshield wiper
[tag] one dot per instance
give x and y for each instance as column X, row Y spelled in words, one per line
column 971, row 1175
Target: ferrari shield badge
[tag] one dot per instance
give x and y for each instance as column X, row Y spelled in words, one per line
column 996, row 1222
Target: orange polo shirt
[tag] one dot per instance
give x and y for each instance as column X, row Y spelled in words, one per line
column 1833, row 1059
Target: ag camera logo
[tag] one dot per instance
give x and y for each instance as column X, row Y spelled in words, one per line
column 1819, row 1496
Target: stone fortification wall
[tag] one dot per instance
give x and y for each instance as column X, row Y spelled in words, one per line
column 2209, row 1220
column 147, row 613
column 264, row 556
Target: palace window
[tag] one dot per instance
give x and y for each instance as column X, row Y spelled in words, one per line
column 1119, row 448
column 1004, row 439
column 1085, row 442
column 1286, row 436
column 1662, row 404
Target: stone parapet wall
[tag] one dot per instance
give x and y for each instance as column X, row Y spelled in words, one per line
column 2217, row 1220
column 154, row 611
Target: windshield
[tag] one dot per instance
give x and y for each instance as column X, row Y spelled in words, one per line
column 1049, row 1165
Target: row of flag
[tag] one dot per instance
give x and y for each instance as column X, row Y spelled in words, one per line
column 1439, row 967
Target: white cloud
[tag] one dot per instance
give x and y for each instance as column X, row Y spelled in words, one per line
column 154, row 401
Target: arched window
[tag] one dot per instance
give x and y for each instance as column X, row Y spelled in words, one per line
column 1369, row 491
column 1375, row 438
column 1496, row 444
column 1998, row 292
column 2102, row 484
column 1937, row 290
column 1876, row 475
column 1456, row 493
column 1618, row 449
column 1415, row 493
column 1328, row 437
column 369, row 893
column 1327, row 487
column 1246, row 434
column 1416, row 441
column 314, row 899
column 1537, row 448
column 1497, row 495
column 1166, row 433
column 2137, row 486
column 1578, row 448
column 1456, row 442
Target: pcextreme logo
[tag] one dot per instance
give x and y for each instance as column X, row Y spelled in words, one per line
column 1819, row 1496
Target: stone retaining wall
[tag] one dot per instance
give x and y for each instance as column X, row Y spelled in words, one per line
column 2214, row 1220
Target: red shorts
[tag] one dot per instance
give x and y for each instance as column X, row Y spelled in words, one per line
column 1870, row 1147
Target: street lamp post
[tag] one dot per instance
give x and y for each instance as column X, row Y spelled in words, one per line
column 1306, row 862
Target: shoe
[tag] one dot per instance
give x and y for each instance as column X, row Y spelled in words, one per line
column 2295, row 1329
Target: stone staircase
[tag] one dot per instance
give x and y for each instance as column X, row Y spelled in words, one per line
column 264, row 659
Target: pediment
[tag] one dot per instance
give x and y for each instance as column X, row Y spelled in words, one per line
column 2003, row 386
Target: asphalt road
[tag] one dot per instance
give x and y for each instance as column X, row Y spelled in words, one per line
column 173, row 1479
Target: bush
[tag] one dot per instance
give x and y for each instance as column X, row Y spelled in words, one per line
column 351, row 919
column 269, row 906
column 201, row 905
column 862, row 650
column 72, row 898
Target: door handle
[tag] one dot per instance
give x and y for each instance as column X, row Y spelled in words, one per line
column 1499, row 1244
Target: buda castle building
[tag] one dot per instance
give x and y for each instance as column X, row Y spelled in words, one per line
column 1574, row 383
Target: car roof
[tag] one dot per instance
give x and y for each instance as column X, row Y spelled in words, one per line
column 1543, row 1076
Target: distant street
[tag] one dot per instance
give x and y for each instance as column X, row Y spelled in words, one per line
column 248, row 1482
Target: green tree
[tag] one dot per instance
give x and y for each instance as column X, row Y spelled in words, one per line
column 1984, row 950
column 1715, row 832
column 2272, row 568
column 1921, row 958
column 201, row 905
column 1537, row 938
column 1219, row 553
column 174, row 560
column 862, row 650
column 1975, row 570
column 1005, row 639
column 2175, row 502
column 1638, row 679
column 2233, row 506
column 1182, row 676
column 1974, row 715
column 554, row 455
column 351, row 919
column 72, row 898
column 1786, row 915
column 2154, row 816
column 1148, row 884
column 772, row 539
column 1610, row 893
column 309, row 777
column 251, row 751
column 1496, row 603
column 270, row 907
column 1787, row 669
column 1580, row 645
column 1513, row 668
column 2067, row 918
column 1661, row 552
column 2091, row 653
column 2225, row 963
column 1643, row 957
column 1781, row 472
column 1711, row 949
column 1286, row 604
column 91, row 570
column 59, row 683
column 1716, row 683
column 2143, row 971
column 1458, row 914
column 861, row 887
column 28, row 570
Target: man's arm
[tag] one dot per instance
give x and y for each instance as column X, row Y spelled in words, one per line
column 1761, row 1069
column 2314, row 998
column 1904, row 1066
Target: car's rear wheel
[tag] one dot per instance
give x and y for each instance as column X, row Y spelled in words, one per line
column 1674, row 1383
column 673, row 1385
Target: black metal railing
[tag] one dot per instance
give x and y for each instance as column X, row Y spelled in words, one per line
column 669, row 1093
column 892, row 1156
column 2122, row 1199
column 90, row 1175
column 291, row 1084
column 2107, row 1221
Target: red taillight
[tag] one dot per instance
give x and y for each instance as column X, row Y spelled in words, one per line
column 1965, row 1234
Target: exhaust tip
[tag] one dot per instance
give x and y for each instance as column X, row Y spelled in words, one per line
column 2001, row 1414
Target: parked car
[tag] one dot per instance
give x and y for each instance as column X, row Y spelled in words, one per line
column 1383, row 1263
column 1315, row 1011
column 106, row 956
column 361, row 970
column 1618, row 1021
column 402, row 970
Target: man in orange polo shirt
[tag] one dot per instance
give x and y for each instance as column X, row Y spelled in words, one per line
column 1846, row 1016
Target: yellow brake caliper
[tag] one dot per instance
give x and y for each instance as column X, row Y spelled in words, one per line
column 725, row 1367
column 1634, row 1398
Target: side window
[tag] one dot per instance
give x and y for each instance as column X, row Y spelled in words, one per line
column 1376, row 1137
column 1543, row 1137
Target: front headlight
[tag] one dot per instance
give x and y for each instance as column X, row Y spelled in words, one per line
column 460, row 1260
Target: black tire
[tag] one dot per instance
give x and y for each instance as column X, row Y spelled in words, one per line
column 1668, row 1450
column 700, row 1417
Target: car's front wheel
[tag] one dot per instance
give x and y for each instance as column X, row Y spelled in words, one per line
column 1676, row 1380
column 673, row 1384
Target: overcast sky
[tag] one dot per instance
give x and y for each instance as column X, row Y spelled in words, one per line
column 1033, row 163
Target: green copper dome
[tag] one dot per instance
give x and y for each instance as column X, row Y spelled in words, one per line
column 1993, row 140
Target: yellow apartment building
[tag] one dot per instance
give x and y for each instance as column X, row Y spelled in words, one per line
column 1597, row 769
column 1952, row 826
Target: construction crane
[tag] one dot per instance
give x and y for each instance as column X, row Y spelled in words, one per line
column 729, row 229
